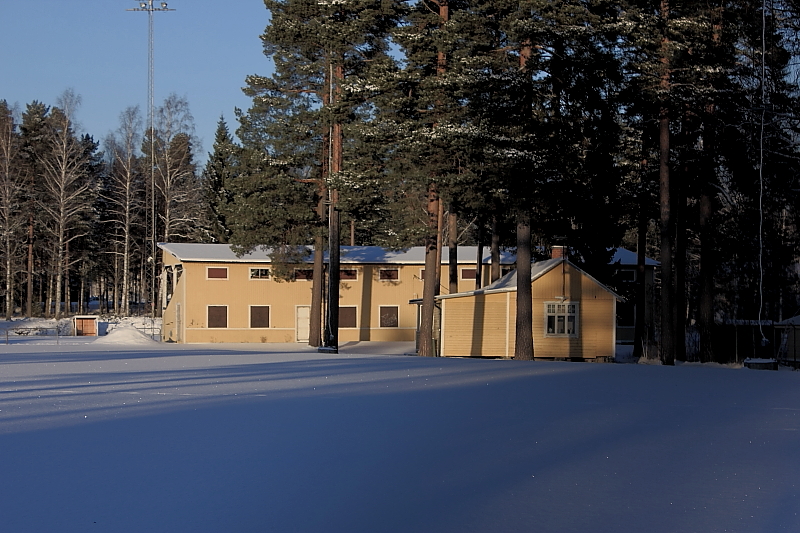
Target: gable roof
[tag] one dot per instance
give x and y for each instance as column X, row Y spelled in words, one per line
column 508, row 283
column 222, row 253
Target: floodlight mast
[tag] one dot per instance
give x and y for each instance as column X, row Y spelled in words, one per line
column 148, row 7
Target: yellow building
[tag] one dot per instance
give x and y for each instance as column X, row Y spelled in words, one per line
column 574, row 316
column 212, row 295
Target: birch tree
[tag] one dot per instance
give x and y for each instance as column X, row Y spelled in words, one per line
column 12, row 215
column 124, row 193
column 67, row 187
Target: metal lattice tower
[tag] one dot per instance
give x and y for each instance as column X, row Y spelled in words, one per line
column 149, row 8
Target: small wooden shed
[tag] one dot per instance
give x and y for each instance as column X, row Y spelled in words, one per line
column 84, row 326
column 574, row 316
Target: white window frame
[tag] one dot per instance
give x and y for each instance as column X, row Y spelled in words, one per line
column 388, row 269
column 350, row 327
column 397, row 307
column 461, row 273
column 565, row 309
column 250, row 317
column 227, row 273
column 269, row 274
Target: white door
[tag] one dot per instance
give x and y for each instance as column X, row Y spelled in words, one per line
column 303, row 322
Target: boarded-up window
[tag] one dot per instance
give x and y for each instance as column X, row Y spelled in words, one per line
column 259, row 273
column 347, row 317
column 422, row 274
column 305, row 274
column 388, row 317
column 217, row 272
column 259, row 316
column 388, row 274
column 348, row 274
column 468, row 273
column 218, row 316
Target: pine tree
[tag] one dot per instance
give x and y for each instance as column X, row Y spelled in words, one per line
column 297, row 122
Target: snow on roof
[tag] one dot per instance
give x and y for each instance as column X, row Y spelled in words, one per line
column 194, row 252
column 794, row 321
column 626, row 257
column 538, row 269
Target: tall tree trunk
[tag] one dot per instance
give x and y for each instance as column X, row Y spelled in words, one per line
column 523, row 348
column 479, row 260
column 317, row 284
column 494, row 274
column 667, row 341
column 331, row 333
column 679, row 275
column 439, row 244
column 640, row 331
column 426, row 347
column 29, row 292
column 452, row 250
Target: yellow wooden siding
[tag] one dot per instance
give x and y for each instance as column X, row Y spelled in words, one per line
column 238, row 292
column 475, row 326
column 595, row 321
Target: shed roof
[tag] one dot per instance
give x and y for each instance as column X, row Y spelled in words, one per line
column 222, row 253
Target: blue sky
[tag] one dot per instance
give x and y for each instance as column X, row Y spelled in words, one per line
column 203, row 51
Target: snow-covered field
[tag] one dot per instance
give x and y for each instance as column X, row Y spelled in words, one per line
column 123, row 434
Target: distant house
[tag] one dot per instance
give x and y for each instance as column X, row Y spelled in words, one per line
column 574, row 316
column 625, row 278
column 212, row 295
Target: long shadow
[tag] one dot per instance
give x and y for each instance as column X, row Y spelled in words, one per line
column 359, row 458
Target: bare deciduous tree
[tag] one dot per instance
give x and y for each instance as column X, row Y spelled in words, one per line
column 12, row 218
column 124, row 193
column 67, row 187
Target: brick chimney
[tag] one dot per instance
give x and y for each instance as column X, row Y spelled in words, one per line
column 558, row 251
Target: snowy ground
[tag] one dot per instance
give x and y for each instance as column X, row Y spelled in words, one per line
column 123, row 434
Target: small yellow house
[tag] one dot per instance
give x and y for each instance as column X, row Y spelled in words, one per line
column 213, row 295
column 574, row 316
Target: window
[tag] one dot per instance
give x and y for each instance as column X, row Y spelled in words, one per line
column 626, row 314
column 422, row 274
column 348, row 274
column 347, row 317
column 388, row 274
column 468, row 273
column 217, row 273
column 303, row 274
column 259, row 273
column 505, row 269
column 627, row 275
column 388, row 317
column 218, row 316
column 562, row 319
column 259, row 316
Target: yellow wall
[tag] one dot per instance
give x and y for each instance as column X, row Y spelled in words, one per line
column 195, row 292
column 484, row 325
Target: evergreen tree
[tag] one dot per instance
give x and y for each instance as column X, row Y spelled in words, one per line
column 220, row 170
column 321, row 53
